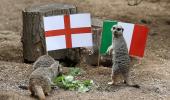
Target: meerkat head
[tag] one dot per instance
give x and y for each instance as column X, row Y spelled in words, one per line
column 117, row 30
column 56, row 67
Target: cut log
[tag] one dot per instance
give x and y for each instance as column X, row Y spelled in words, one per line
column 33, row 31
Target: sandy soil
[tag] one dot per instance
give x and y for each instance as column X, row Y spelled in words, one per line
column 153, row 75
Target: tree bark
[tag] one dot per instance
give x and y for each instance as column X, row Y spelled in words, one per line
column 33, row 31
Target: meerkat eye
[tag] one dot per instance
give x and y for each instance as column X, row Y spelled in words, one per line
column 113, row 28
column 119, row 29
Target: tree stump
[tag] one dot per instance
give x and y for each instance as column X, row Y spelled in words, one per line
column 33, row 38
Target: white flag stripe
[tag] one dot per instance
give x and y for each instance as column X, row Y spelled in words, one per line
column 80, row 20
column 53, row 23
column 82, row 40
column 128, row 32
column 55, row 42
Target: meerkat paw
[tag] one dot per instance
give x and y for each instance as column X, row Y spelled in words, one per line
column 109, row 50
column 55, row 87
column 110, row 83
column 109, row 53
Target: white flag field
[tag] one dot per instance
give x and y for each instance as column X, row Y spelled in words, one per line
column 68, row 31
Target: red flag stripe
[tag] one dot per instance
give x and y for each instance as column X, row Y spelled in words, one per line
column 138, row 41
column 68, row 31
column 55, row 33
column 81, row 30
column 63, row 32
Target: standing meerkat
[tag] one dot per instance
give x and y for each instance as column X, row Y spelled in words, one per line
column 40, row 81
column 120, row 56
column 43, row 61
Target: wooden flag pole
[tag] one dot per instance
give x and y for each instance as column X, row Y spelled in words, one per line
column 99, row 52
column 98, row 62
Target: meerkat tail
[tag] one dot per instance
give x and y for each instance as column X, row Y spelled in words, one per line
column 40, row 93
column 23, row 87
column 135, row 86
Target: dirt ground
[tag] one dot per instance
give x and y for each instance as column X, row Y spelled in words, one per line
column 153, row 74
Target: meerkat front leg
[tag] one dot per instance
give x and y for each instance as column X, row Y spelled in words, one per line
column 110, row 50
column 54, row 86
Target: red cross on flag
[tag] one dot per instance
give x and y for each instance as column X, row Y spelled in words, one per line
column 68, row 31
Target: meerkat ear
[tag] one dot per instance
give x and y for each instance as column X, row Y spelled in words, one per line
column 122, row 29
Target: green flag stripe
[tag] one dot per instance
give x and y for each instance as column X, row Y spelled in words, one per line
column 106, row 39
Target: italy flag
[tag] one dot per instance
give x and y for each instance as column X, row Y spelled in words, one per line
column 135, row 36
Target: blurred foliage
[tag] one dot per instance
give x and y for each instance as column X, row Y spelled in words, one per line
column 67, row 81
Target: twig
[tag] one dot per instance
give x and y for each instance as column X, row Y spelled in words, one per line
column 136, row 2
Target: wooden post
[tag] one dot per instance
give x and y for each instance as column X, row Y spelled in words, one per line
column 33, row 31
column 92, row 59
column 95, row 58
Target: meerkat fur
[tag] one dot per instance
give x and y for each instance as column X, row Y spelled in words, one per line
column 43, row 61
column 40, row 80
column 120, row 56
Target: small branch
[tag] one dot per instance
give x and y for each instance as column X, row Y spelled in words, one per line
column 136, row 2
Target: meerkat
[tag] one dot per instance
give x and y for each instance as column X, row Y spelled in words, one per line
column 120, row 56
column 40, row 81
column 43, row 61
